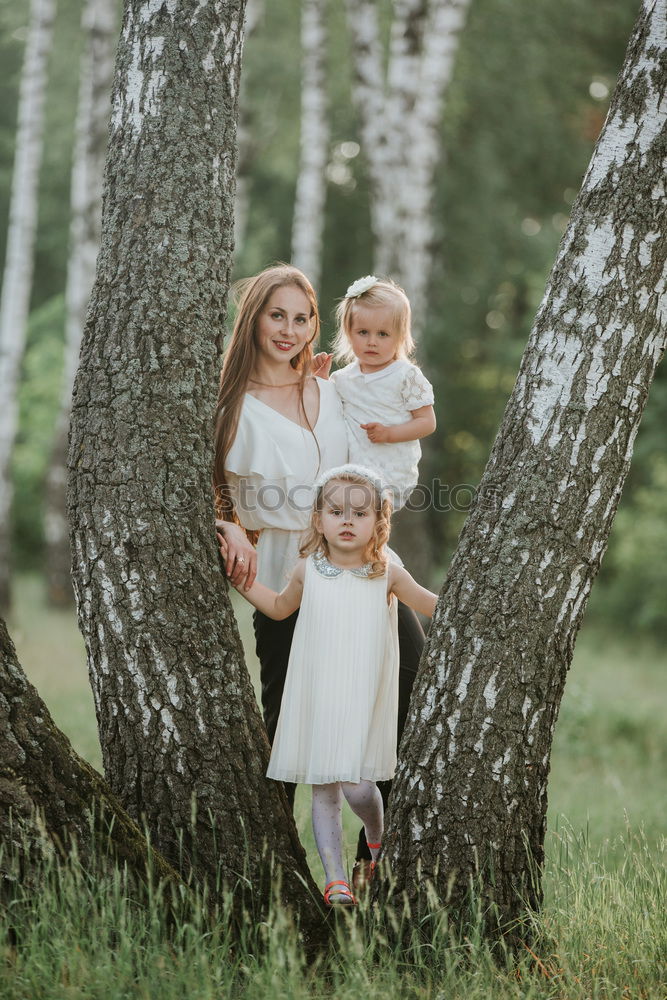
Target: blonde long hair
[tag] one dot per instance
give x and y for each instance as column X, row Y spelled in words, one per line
column 251, row 296
column 376, row 550
column 384, row 293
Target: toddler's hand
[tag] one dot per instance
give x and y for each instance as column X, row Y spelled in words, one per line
column 377, row 433
column 322, row 364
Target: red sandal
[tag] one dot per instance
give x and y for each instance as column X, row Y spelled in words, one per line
column 363, row 871
column 346, row 891
column 373, row 866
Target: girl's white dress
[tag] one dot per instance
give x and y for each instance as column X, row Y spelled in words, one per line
column 339, row 711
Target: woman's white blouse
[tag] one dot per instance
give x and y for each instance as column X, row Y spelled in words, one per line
column 271, row 469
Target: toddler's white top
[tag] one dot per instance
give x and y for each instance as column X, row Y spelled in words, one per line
column 271, row 469
column 387, row 397
column 339, row 710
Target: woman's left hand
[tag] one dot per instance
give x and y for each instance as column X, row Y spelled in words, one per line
column 322, row 364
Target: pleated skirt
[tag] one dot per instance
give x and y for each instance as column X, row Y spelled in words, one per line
column 339, row 710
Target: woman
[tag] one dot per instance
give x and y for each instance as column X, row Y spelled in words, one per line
column 278, row 427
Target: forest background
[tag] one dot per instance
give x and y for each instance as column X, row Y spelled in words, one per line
column 529, row 95
column 528, row 98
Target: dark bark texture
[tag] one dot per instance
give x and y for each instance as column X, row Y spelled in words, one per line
column 470, row 795
column 183, row 742
column 50, row 798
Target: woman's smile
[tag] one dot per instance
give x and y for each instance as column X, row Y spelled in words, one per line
column 284, row 325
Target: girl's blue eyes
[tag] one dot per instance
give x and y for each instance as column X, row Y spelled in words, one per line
column 359, row 513
column 362, row 333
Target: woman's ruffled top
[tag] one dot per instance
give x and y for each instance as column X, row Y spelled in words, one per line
column 271, row 469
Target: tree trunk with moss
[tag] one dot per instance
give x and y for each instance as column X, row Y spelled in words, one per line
column 470, row 796
column 183, row 742
column 92, row 121
column 50, row 798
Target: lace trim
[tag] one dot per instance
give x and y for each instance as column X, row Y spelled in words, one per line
column 325, row 568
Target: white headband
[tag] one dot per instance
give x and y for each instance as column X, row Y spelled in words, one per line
column 360, row 286
column 356, row 470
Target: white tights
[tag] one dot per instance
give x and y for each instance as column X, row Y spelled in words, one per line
column 365, row 801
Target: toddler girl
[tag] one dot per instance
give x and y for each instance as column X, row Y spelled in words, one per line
column 387, row 401
column 338, row 715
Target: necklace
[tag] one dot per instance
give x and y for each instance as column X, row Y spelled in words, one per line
column 270, row 385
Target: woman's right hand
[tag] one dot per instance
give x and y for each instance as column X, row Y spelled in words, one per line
column 239, row 555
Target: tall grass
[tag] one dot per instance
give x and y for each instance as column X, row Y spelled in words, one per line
column 602, row 934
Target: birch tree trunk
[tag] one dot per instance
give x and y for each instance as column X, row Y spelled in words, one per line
column 17, row 276
column 369, row 92
column 425, row 157
column 246, row 141
column 183, row 743
column 49, row 796
column 92, row 122
column 470, row 795
column 311, row 185
column 400, row 114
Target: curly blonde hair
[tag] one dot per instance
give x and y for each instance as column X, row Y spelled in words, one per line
column 376, row 550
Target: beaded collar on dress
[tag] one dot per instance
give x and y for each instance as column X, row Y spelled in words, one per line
column 325, row 568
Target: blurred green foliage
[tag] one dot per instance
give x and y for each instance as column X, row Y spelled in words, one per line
column 517, row 135
column 636, row 568
column 39, row 404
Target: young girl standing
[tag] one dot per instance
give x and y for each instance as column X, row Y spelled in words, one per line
column 338, row 716
column 387, row 401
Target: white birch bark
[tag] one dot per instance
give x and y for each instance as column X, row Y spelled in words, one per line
column 370, row 98
column 17, row 277
column 470, row 795
column 308, row 226
column 400, row 114
column 99, row 25
column 425, row 156
column 246, row 140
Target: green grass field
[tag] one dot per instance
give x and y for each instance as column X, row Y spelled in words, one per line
column 604, row 882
